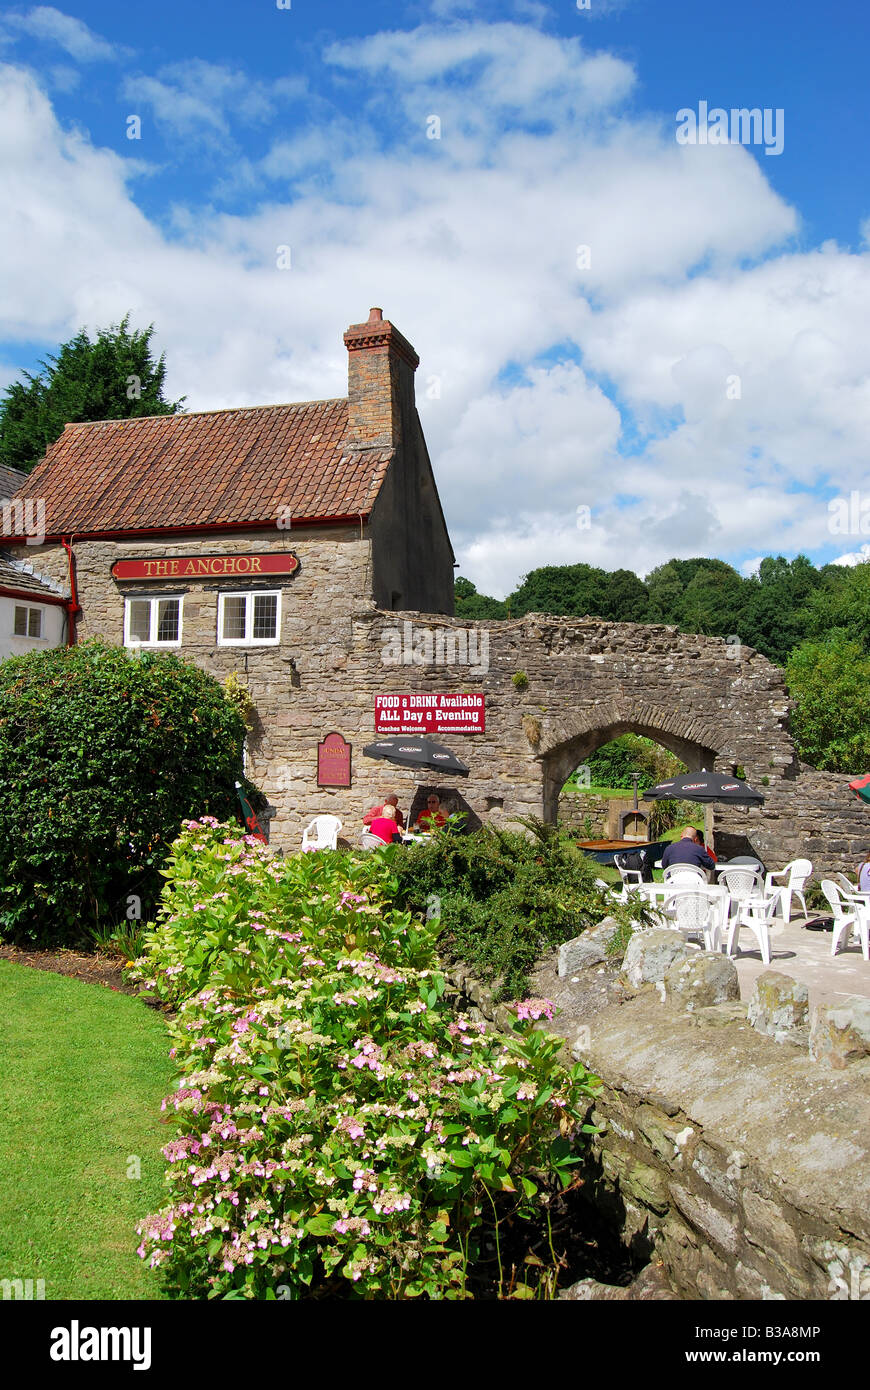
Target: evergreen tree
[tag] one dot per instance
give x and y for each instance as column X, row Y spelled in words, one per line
column 112, row 377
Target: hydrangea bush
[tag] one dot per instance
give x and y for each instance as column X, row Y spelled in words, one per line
column 340, row 1130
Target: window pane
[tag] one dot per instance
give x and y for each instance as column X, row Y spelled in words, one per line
column 20, row 622
column 34, row 624
column 235, row 606
column 265, row 615
column 140, row 620
column 167, row 620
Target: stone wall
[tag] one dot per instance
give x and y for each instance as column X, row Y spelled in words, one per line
column 581, row 682
column 575, row 807
column 739, row 1161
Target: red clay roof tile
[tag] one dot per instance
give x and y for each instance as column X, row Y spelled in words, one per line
column 216, row 468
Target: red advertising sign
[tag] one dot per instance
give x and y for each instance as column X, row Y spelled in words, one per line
column 430, row 714
column 206, row 566
column 333, row 761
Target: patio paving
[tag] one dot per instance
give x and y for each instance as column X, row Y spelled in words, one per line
column 806, row 956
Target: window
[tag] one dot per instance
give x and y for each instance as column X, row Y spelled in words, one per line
column 152, row 622
column 248, row 620
column 28, row 622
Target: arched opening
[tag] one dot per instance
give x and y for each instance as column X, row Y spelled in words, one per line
column 561, row 761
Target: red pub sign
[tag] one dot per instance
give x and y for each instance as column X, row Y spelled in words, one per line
column 205, row 566
column 333, row 761
column 430, row 714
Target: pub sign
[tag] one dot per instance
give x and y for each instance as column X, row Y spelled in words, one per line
column 333, row 761
column 206, row 566
column 408, row 713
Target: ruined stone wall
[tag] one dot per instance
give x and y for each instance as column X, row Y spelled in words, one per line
column 579, row 683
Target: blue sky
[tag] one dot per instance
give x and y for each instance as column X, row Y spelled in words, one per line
column 701, row 381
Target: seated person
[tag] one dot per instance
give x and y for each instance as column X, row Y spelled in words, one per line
column 686, row 850
column 699, row 840
column 384, row 825
column 432, row 817
column 390, row 800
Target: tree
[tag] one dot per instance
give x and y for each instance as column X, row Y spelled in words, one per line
column 103, row 753
column 612, row 764
column 114, row 377
column 841, row 601
column 829, row 682
column 468, row 603
column 571, row 591
column 773, row 616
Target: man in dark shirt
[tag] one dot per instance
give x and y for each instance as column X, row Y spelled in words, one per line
column 686, row 850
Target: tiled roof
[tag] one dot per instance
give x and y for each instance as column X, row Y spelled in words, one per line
column 217, row 468
column 18, row 574
column 10, row 481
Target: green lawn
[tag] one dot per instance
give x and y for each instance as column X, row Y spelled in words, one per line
column 82, row 1075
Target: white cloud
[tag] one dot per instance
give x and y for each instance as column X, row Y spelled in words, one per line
column 52, row 26
column 470, row 245
column 199, row 101
column 854, row 557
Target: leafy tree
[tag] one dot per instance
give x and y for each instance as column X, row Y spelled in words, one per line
column 468, row 603
column 612, row 764
column 772, row 616
column 841, row 601
column 570, row 591
column 103, row 753
column 829, row 682
column 114, row 377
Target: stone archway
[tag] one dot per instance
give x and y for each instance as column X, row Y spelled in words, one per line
column 576, row 739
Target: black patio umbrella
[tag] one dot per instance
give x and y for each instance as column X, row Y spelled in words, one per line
column 707, row 786
column 409, row 751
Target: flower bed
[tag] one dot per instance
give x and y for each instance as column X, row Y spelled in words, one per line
column 340, row 1131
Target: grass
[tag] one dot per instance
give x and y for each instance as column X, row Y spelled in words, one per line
column 84, row 1071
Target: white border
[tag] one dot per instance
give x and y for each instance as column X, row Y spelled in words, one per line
column 249, row 595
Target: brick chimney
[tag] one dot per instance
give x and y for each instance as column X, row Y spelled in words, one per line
column 380, row 381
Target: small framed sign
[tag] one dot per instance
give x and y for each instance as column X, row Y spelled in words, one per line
column 333, row 761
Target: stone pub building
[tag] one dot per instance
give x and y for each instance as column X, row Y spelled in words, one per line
column 304, row 547
column 247, row 539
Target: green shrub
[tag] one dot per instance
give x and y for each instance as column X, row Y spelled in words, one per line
column 505, row 898
column 102, row 754
column 341, row 1132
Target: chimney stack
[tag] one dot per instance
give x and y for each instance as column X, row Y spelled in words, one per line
column 380, row 381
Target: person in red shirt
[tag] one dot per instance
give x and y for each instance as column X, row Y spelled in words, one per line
column 391, row 800
column 385, row 827
column 432, row 817
column 699, row 840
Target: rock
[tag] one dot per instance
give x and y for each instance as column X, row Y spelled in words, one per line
column 840, row 1033
column 778, row 1006
column 651, row 1284
column 651, row 953
column 702, row 979
column 588, row 949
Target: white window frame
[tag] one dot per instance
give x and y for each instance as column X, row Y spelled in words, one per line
column 154, row 600
column 29, row 636
column 248, row 640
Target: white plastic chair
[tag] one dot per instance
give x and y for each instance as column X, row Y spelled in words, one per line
column 321, row 833
column 756, row 913
column 796, row 875
column 631, row 878
column 689, row 873
column 370, row 841
column 619, row 895
column 846, row 886
column 858, row 918
column 696, row 913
